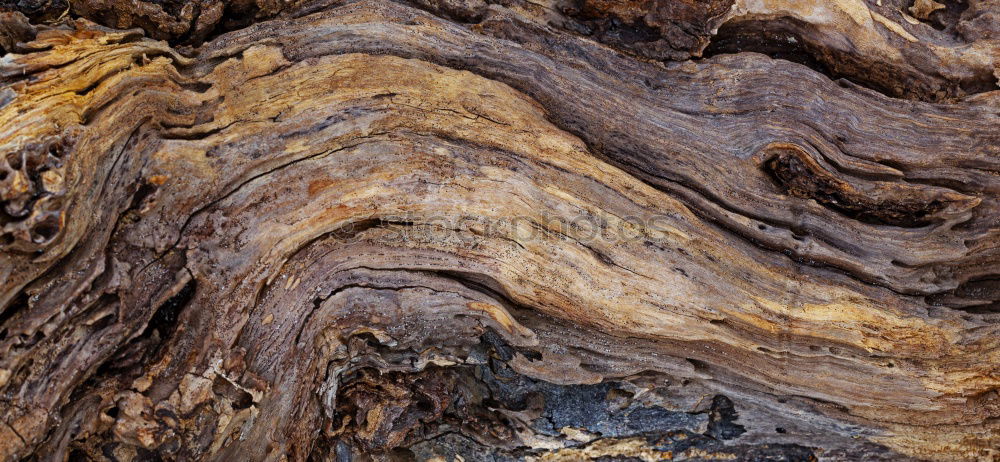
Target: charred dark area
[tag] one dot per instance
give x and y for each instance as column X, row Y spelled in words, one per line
column 478, row 413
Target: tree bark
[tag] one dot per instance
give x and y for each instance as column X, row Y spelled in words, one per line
column 500, row 230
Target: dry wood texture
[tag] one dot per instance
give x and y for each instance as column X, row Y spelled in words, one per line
column 500, row 230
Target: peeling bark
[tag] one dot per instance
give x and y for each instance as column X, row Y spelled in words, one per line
column 499, row 230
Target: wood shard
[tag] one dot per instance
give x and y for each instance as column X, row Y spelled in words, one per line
column 464, row 230
column 922, row 9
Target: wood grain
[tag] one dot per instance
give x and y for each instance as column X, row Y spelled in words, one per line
column 509, row 230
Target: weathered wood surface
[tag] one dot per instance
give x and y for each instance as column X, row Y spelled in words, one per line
column 510, row 230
